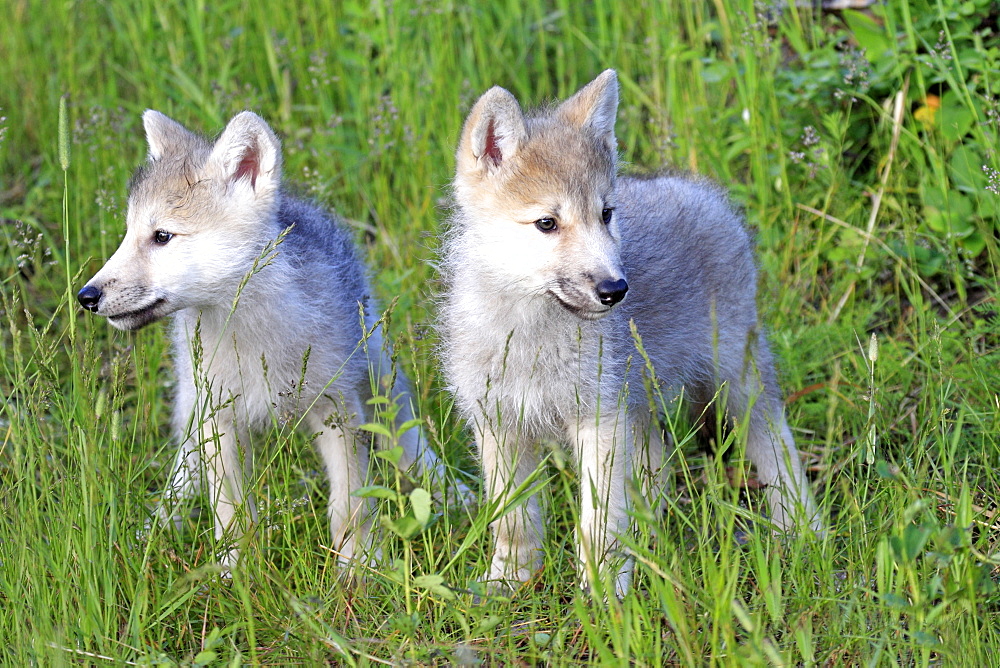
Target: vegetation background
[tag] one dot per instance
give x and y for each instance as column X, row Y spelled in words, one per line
column 862, row 147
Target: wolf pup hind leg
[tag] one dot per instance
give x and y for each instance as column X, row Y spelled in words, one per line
column 548, row 257
column 264, row 291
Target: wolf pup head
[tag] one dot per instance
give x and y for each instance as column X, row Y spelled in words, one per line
column 536, row 196
column 199, row 213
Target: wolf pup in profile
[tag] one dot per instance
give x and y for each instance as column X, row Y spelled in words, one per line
column 548, row 258
column 265, row 292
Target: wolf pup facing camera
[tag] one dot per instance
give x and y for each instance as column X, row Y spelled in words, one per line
column 548, row 257
column 265, row 292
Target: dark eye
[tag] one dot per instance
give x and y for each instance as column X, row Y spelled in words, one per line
column 161, row 237
column 546, row 224
column 606, row 215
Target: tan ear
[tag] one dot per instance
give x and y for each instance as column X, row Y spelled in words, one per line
column 595, row 106
column 248, row 149
column 165, row 135
column 492, row 134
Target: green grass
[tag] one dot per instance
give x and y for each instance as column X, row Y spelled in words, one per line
column 870, row 222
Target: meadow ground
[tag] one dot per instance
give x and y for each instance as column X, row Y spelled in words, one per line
column 862, row 147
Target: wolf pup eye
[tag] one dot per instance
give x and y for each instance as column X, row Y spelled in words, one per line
column 161, row 237
column 606, row 215
column 546, row 224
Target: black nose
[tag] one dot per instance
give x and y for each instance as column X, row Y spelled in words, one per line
column 89, row 297
column 611, row 292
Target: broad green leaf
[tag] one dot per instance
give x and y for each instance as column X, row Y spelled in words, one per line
column 435, row 583
column 966, row 165
column 391, row 455
column 908, row 547
column 487, row 624
column 420, row 499
column 870, row 35
column 376, row 492
column 405, row 527
column 954, row 117
column 377, row 428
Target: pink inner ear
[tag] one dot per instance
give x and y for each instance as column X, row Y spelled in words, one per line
column 249, row 166
column 492, row 147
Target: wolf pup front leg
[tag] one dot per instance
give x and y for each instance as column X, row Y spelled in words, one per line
column 548, row 260
column 604, row 458
column 508, row 464
column 265, row 293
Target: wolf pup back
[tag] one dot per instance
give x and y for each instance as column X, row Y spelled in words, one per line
column 264, row 293
column 548, row 258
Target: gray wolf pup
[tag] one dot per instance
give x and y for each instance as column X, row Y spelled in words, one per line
column 548, row 258
column 266, row 294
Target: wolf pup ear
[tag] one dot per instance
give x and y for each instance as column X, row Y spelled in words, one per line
column 164, row 135
column 492, row 134
column 595, row 106
column 248, row 150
